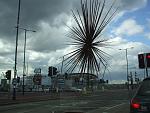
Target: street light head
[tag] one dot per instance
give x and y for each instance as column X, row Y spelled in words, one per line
column 34, row 31
column 127, row 48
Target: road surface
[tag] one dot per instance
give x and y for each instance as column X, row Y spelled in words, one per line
column 112, row 101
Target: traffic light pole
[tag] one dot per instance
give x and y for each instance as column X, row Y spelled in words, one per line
column 127, row 68
column 146, row 72
column 62, row 65
column 8, row 77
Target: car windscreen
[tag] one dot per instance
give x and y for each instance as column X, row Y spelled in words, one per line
column 144, row 88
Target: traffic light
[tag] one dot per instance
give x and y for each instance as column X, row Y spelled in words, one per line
column 148, row 59
column 144, row 60
column 50, row 71
column 18, row 79
column 141, row 61
column 8, row 74
column 54, row 70
column 107, row 81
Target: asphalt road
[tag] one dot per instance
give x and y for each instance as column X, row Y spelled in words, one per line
column 114, row 101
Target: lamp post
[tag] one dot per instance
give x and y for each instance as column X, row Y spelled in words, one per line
column 126, row 49
column 15, row 67
column 24, row 65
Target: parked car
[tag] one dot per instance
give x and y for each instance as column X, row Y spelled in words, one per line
column 75, row 89
column 140, row 103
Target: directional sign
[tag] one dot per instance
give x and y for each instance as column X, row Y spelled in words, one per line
column 37, row 70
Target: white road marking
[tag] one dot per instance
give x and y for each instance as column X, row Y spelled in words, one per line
column 105, row 109
column 115, row 106
column 74, row 103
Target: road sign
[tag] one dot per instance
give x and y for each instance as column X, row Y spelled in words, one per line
column 37, row 70
column 37, row 79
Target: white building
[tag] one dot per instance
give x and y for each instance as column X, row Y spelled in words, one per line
column 31, row 84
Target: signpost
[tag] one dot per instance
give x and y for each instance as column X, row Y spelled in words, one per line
column 37, row 79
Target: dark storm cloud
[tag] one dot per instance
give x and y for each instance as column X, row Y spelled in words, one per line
column 32, row 11
column 7, row 17
column 47, row 10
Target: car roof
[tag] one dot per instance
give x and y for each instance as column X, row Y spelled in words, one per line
column 148, row 78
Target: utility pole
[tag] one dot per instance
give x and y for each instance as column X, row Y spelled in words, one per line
column 15, row 68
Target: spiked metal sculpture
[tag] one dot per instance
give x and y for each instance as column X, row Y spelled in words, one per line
column 90, row 23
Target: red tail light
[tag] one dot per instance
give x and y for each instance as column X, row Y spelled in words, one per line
column 135, row 103
column 136, row 106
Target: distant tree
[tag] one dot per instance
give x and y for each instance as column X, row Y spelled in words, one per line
column 94, row 17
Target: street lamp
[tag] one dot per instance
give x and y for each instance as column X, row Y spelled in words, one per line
column 126, row 49
column 15, row 67
column 24, row 65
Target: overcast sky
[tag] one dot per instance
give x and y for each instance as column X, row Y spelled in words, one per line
column 46, row 46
